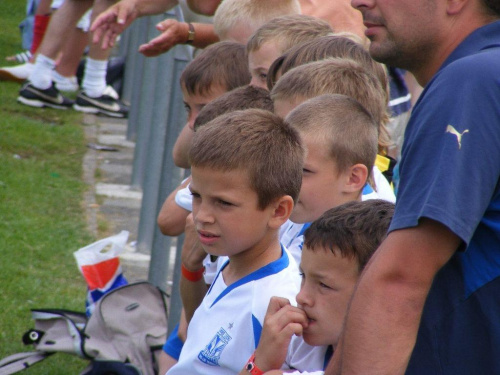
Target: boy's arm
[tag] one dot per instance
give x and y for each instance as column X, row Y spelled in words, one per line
column 383, row 318
column 192, row 256
column 172, row 218
column 282, row 320
column 174, row 32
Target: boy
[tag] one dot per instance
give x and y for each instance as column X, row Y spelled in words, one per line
column 215, row 71
column 337, row 247
column 277, row 36
column 335, row 76
column 237, row 19
column 246, row 174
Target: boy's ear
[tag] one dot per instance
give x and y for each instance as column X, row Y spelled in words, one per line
column 357, row 176
column 282, row 208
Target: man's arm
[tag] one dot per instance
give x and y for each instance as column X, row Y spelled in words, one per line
column 206, row 7
column 383, row 318
column 112, row 22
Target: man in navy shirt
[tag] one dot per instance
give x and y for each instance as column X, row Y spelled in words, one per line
column 429, row 301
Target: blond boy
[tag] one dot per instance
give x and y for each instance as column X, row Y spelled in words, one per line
column 337, row 248
column 277, row 36
column 335, row 76
column 340, row 138
column 246, row 174
column 238, row 19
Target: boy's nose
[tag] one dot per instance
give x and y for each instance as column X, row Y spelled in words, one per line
column 202, row 214
column 304, row 298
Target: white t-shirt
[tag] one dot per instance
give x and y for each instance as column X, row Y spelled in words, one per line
column 226, row 327
column 306, row 359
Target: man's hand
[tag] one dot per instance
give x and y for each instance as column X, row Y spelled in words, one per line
column 281, row 322
column 112, row 22
column 173, row 32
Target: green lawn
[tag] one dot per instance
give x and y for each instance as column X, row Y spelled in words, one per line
column 42, row 219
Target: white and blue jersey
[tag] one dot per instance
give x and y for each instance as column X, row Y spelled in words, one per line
column 450, row 173
column 306, row 359
column 226, row 327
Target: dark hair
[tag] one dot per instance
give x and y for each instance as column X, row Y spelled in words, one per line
column 356, row 229
column 238, row 99
column 224, row 64
column 493, row 6
column 258, row 142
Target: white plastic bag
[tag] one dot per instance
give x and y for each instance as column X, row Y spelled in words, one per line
column 100, row 266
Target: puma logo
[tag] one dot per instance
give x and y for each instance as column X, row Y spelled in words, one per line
column 450, row 129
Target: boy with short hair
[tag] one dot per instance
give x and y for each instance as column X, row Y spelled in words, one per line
column 237, row 19
column 277, row 36
column 246, row 174
column 340, row 138
column 337, row 247
column 335, row 76
column 218, row 69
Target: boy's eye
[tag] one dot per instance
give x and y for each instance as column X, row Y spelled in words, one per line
column 187, row 107
column 263, row 76
column 306, row 171
column 224, row 203
column 324, row 286
column 195, row 195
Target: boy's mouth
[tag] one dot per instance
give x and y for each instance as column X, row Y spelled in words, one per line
column 207, row 238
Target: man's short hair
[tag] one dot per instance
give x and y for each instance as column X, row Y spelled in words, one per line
column 336, row 76
column 254, row 13
column 493, row 7
column 288, row 31
column 355, row 229
column 258, row 142
column 342, row 124
column 224, row 64
column 245, row 97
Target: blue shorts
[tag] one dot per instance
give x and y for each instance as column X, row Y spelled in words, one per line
column 174, row 344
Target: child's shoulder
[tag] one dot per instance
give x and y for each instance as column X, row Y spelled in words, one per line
column 304, row 357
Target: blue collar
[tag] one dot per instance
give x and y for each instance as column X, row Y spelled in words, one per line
column 269, row 269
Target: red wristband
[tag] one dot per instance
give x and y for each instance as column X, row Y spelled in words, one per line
column 192, row 276
column 252, row 368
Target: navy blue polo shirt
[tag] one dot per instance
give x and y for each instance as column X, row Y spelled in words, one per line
column 450, row 171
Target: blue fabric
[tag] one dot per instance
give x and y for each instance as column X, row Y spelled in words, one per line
column 270, row 269
column 400, row 99
column 449, row 172
column 257, row 330
column 174, row 344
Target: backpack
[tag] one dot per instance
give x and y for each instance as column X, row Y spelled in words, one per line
column 128, row 326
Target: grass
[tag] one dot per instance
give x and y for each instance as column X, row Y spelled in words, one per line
column 42, row 216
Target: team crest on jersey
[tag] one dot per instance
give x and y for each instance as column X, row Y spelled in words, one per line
column 212, row 352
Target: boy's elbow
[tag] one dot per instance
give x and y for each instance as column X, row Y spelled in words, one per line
column 169, row 227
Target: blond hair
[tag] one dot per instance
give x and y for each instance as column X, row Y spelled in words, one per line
column 288, row 31
column 258, row 142
column 341, row 123
column 337, row 76
column 254, row 13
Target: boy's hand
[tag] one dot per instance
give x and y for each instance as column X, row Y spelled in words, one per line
column 112, row 22
column 192, row 253
column 173, row 32
column 282, row 320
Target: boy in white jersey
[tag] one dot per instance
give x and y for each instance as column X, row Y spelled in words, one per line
column 336, row 249
column 246, row 169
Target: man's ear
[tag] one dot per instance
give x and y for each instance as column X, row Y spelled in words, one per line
column 455, row 6
column 282, row 208
column 356, row 178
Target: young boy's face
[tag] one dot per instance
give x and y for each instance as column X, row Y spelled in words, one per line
column 195, row 102
column 260, row 60
column 226, row 213
column 328, row 281
column 322, row 185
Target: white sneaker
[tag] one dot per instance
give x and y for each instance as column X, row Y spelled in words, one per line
column 66, row 84
column 18, row 73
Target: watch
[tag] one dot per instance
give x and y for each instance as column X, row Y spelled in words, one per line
column 252, row 368
column 191, row 33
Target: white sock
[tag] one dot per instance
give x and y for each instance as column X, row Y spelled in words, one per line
column 41, row 76
column 94, row 79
